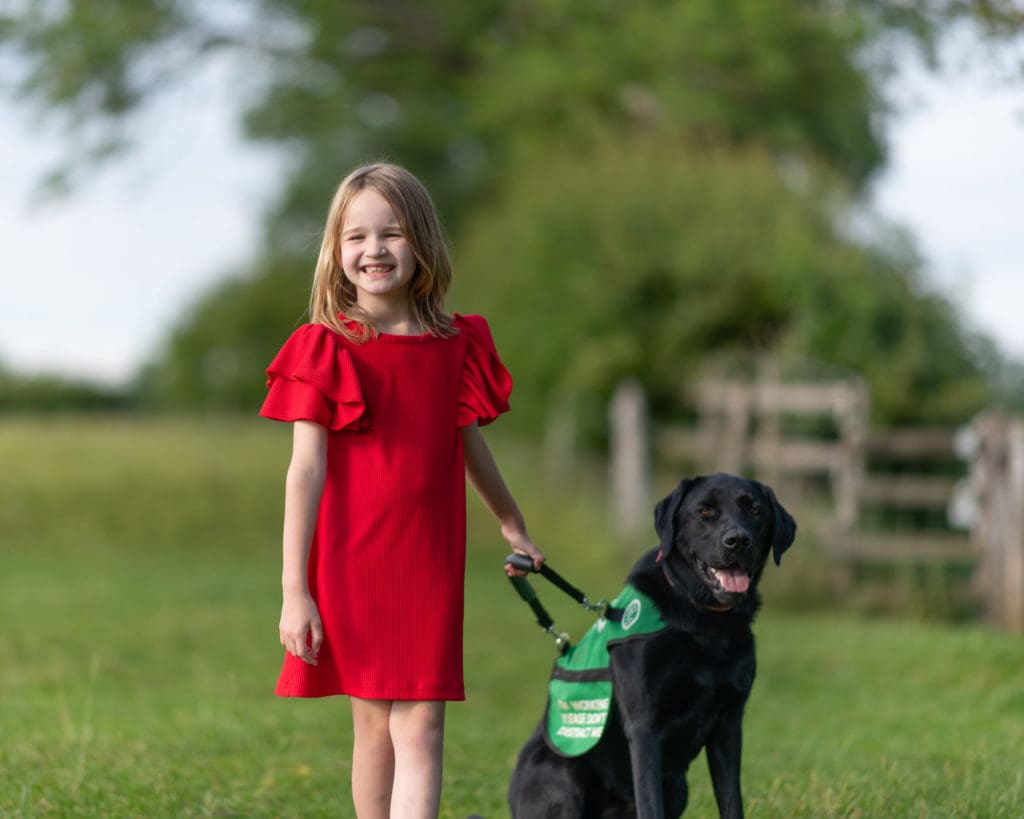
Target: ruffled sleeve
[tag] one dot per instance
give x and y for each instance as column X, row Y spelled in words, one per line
column 486, row 384
column 313, row 378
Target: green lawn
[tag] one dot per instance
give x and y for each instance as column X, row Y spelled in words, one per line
column 139, row 598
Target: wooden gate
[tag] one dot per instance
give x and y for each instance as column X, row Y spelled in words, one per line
column 815, row 437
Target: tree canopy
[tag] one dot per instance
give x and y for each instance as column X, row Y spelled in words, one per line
column 629, row 186
column 648, row 259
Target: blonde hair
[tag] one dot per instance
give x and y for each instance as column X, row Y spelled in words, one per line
column 333, row 299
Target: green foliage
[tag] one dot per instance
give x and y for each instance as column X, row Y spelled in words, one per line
column 91, row 50
column 782, row 76
column 87, row 61
column 627, row 263
column 216, row 358
column 645, row 257
column 140, row 596
column 370, row 80
column 45, row 393
column 867, row 312
column 530, row 120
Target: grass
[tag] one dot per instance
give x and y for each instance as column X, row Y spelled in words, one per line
column 139, row 598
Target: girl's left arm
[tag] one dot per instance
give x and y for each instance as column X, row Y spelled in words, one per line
column 486, row 479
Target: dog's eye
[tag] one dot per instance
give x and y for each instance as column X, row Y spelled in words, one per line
column 755, row 510
column 706, row 512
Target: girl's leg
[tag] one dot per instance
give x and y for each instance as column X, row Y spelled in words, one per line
column 417, row 730
column 373, row 758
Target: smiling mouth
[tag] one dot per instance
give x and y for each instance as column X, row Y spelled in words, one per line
column 378, row 270
column 732, row 579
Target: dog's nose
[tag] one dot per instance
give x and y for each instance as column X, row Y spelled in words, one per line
column 736, row 538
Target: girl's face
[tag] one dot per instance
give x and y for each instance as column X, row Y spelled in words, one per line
column 375, row 255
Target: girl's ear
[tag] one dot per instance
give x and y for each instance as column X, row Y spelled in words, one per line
column 665, row 514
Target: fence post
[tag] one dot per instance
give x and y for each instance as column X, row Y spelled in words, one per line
column 725, row 409
column 629, row 462
column 984, row 477
column 1013, row 557
column 769, row 422
column 851, row 411
column 997, row 483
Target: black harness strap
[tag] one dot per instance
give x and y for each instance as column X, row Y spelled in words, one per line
column 525, row 590
column 556, row 579
column 522, row 585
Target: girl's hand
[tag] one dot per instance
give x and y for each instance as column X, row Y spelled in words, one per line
column 522, row 544
column 302, row 633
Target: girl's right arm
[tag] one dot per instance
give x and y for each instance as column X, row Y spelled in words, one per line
column 304, row 485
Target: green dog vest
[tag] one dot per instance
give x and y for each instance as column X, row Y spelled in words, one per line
column 580, row 690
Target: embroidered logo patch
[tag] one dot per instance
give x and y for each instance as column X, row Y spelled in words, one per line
column 631, row 614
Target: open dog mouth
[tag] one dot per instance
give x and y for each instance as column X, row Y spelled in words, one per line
column 732, row 579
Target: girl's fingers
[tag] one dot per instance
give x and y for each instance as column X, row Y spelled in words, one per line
column 317, row 636
column 303, row 653
column 298, row 647
column 535, row 554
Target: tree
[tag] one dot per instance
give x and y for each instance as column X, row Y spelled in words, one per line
column 42, row 394
column 343, row 80
column 725, row 71
column 652, row 255
column 483, row 99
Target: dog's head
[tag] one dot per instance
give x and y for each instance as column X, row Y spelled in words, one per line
column 716, row 532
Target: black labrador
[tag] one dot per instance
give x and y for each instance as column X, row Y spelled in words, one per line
column 683, row 688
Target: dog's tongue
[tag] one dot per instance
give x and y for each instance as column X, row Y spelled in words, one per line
column 733, row 580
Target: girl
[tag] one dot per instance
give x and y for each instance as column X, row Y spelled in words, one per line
column 387, row 394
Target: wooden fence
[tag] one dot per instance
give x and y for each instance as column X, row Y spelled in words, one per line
column 890, row 491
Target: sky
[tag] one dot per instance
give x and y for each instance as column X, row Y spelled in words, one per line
column 92, row 283
column 956, row 181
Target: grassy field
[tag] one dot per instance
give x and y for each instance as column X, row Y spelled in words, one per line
column 139, row 599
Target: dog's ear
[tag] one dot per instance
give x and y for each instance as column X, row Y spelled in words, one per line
column 665, row 514
column 784, row 528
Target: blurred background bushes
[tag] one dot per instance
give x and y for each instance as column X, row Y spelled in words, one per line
column 629, row 187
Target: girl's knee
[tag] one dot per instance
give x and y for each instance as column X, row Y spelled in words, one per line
column 424, row 716
column 418, row 725
column 371, row 722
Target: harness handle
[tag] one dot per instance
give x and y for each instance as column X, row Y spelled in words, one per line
column 525, row 564
column 522, row 562
column 525, row 590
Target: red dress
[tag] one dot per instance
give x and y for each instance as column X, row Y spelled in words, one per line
column 387, row 562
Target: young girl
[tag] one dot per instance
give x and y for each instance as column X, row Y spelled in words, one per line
column 387, row 394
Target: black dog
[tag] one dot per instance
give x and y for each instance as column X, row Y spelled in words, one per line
column 683, row 688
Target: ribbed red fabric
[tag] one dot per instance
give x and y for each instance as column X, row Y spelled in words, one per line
column 387, row 562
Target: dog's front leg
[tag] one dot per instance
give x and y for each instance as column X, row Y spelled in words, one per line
column 633, row 701
column 724, row 749
column 645, row 763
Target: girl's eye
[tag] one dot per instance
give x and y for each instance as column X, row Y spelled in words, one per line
column 354, row 237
